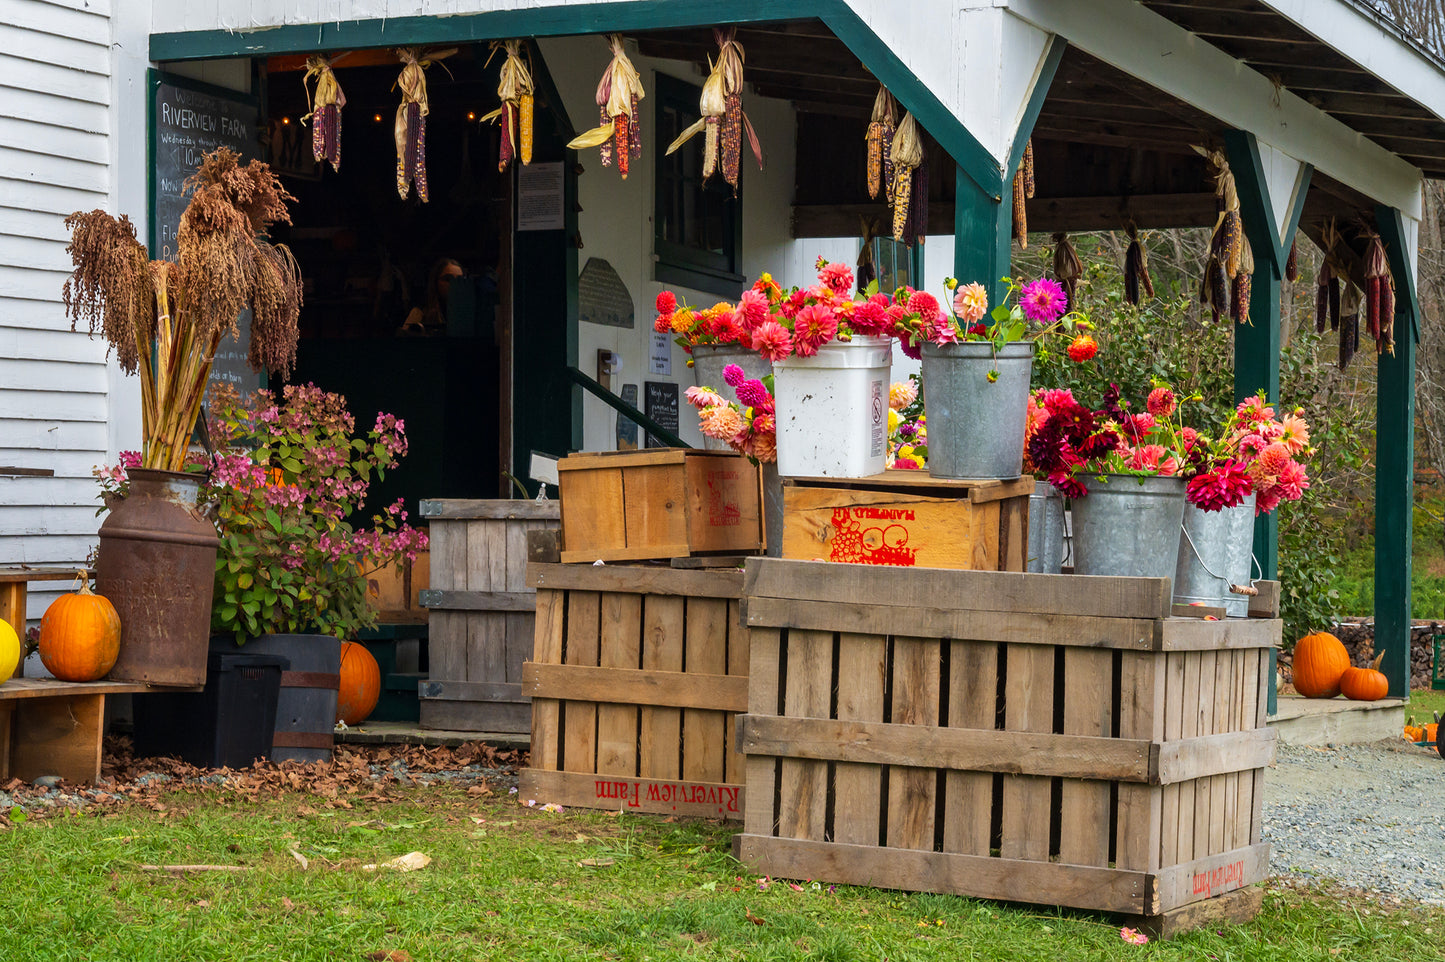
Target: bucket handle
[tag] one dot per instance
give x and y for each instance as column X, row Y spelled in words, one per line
column 1248, row 589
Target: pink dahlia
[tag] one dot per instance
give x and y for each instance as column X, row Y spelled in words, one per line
column 1273, row 458
column 1295, row 434
column 925, row 305
column 814, row 326
column 838, row 277
column 971, row 302
column 754, row 395
column 663, row 324
column 870, row 319
column 752, row 309
column 1161, row 402
column 1293, row 481
column 702, row 397
column 773, row 341
column 734, row 375
column 1043, row 301
column 1226, row 486
column 1254, row 409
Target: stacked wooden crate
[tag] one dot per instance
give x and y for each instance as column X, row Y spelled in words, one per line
column 638, row 670
column 1039, row 738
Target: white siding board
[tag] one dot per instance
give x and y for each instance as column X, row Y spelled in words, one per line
column 53, row 404
column 43, row 314
column 58, row 492
column 45, row 18
column 48, row 198
column 31, row 285
column 54, row 80
column 61, row 140
column 100, row 7
column 49, row 435
column 52, row 376
column 50, row 551
column 34, row 252
column 21, row 222
column 35, row 106
column 65, row 464
column 22, row 343
column 49, row 48
column 43, row 168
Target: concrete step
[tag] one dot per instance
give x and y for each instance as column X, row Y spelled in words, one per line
column 1339, row 721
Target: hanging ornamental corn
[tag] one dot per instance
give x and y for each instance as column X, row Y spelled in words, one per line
column 1021, row 214
column 1291, row 266
column 1378, row 287
column 1067, row 267
column 880, row 134
column 1136, row 270
column 907, row 155
column 1028, row 168
column 1221, row 285
column 515, row 114
column 410, row 127
column 618, row 92
column 723, row 121
column 917, row 229
column 1243, row 282
column 1322, row 297
column 325, row 109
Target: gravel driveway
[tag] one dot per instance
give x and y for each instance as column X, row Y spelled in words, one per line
column 1371, row 817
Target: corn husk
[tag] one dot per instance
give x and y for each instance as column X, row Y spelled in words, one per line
column 618, row 92
column 907, row 155
column 410, row 126
column 515, row 90
column 324, row 108
column 723, row 122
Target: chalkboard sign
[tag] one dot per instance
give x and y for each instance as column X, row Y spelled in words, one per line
column 660, row 404
column 188, row 120
column 626, row 427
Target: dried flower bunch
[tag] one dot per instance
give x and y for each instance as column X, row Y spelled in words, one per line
column 165, row 319
column 749, row 427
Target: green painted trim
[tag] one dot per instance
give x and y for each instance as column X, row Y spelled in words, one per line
column 1395, row 472
column 1297, row 209
column 1047, row 68
column 1391, row 226
column 595, row 18
column 982, row 237
column 627, row 410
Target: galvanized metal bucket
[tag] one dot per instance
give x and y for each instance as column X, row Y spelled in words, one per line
column 708, row 361
column 1215, row 553
column 1128, row 526
column 976, row 426
column 1046, row 530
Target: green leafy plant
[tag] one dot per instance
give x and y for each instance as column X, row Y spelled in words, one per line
column 285, row 483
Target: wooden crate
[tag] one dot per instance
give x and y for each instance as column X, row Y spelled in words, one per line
column 637, row 677
column 395, row 590
column 659, row 504
column 481, row 613
column 1053, row 739
column 908, row 519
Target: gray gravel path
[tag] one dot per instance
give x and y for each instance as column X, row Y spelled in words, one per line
column 1370, row 817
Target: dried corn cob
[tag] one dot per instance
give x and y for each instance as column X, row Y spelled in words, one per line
column 326, row 130
column 1334, row 295
column 1349, row 338
column 525, row 110
column 1291, row 266
column 1067, row 267
column 1386, row 341
column 1219, row 287
column 504, row 152
column 1322, row 297
column 732, row 140
column 1239, row 298
column 1020, row 214
column 890, row 130
column 606, row 144
column 712, row 137
column 1373, row 286
column 1233, row 242
column 621, row 132
column 880, row 135
column 902, row 193
column 1131, row 274
column 1377, row 273
column 1028, row 168
column 634, row 130
column 874, row 140
column 918, row 205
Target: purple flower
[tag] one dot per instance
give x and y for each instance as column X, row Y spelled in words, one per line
column 1043, row 301
column 752, row 393
column 734, row 375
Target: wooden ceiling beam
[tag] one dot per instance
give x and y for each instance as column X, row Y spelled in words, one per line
column 1172, row 146
column 852, row 111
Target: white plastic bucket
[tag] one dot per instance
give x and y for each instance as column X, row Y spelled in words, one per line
column 832, row 410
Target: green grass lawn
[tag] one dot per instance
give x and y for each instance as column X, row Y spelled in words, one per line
column 515, row 883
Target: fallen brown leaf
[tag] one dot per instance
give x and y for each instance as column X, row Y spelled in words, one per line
column 389, row 955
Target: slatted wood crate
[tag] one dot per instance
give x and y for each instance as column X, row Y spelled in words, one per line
column 636, row 679
column 480, row 613
column 1053, row 739
column 659, row 504
column 908, row 519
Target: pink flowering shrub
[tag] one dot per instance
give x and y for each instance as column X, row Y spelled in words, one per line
column 287, row 484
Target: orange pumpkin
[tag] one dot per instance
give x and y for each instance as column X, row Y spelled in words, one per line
column 360, row 684
column 1320, row 660
column 80, row 635
column 1365, row 684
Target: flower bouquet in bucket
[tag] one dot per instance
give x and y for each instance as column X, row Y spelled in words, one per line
column 749, row 426
column 1244, row 469
column 977, row 366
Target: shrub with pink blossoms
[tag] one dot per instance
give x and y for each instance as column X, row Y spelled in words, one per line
column 288, row 485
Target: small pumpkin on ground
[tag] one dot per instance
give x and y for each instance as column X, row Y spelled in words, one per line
column 1320, row 660
column 80, row 635
column 360, row 684
column 1365, row 684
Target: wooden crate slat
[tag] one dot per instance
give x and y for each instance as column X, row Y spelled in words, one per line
column 490, row 510
column 1013, row 532
column 972, row 705
column 913, row 790
column 724, row 500
column 1141, row 715
column 1028, row 706
column 738, row 655
column 436, row 600
column 1226, row 783
column 1212, row 875
column 1206, row 756
column 656, row 502
column 907, row 481
column 1014, row 880
column 636, row 579
column 1188, row 791
column 633, row 686
column 1203, row 787
column 620, row 793
column 620, row 648
column 1005, row 626
column 579, row 718
column 1184, row 634
column 660, row 742
column 1084, row 801
column 1173, row 730
column 958, row 590
column 447, row 645
column 764, row 672
column 472, row 691
column 1254, row 802
column 803, row 784
column 592, row 460
column 588, row 516
column 861, row 668
column 706, row 656
column 476, row 716
column 546, row 712
column 1035, row 754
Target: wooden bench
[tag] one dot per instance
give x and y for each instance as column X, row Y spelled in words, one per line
column 50, row 727
column 13, row 580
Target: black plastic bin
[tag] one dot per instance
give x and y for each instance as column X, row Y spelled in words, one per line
column 228, row 724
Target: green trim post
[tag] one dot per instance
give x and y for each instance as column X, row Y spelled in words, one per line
column 1395, row 466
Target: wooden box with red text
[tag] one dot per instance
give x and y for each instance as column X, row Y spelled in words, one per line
column 658, row 504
